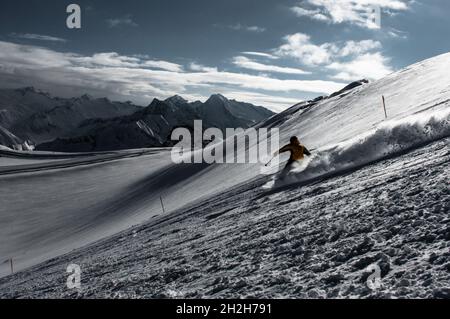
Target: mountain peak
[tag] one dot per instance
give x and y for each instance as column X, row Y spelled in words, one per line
column 28, row 89
column 217, row 97
column 82, row 98
column 155, row 101
column 176, row 100
column 86, row 97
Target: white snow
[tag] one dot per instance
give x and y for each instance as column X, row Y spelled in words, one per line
column 312, row 241
column 387, row 139
column 244, row 231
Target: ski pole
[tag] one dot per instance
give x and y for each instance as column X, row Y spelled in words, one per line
column 270, row 161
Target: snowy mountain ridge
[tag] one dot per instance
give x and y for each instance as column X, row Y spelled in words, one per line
column 152, row 126
column 36, row 116
column 69, row 124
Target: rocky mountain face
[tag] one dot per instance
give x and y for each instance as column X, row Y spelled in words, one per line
column 30, row 117
column 36, row 117
column 9, row 140
column 153, row 125
column 18, row 105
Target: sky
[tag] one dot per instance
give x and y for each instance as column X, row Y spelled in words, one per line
column 273, row 53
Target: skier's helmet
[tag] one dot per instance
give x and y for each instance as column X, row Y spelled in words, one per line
column 295, row 140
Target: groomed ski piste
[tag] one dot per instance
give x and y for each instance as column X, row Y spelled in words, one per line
column 374, row 192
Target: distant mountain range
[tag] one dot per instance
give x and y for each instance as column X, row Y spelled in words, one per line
column 31, row 117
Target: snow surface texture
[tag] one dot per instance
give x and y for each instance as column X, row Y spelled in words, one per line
column 51, row 207
column 313, row 241
column 389, row 139
column 51, row 210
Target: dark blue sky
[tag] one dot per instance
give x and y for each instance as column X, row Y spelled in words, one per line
column 271, row 52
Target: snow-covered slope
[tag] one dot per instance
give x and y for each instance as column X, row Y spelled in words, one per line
column 9, row 140
column 417, row 89
column 348, row 131
column 313, row 241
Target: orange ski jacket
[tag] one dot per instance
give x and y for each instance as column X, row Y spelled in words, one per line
column 298, row 151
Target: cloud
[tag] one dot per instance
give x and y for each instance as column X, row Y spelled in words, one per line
column 369, row 65
column 246, row 63
column 201, row 68
column 124, row 21
column 260, row 54
column 358, row 12
column 243, row 27
column 356, row 48
column 107, row 59
column 113, row 59
column 38, row 37
column 133, row 77
column 163, row 65
column 300, row 47
column 255, row 29
column 397, row 34
column 314, row 14
column 351, row 59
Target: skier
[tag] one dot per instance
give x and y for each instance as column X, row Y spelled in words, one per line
column 297, row 151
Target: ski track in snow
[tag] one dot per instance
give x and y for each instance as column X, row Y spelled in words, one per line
column 388, row 139
column 309, row 241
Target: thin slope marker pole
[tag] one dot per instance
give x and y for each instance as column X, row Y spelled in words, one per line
column 12, row 266
column 384, row 107
column 162, row 204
